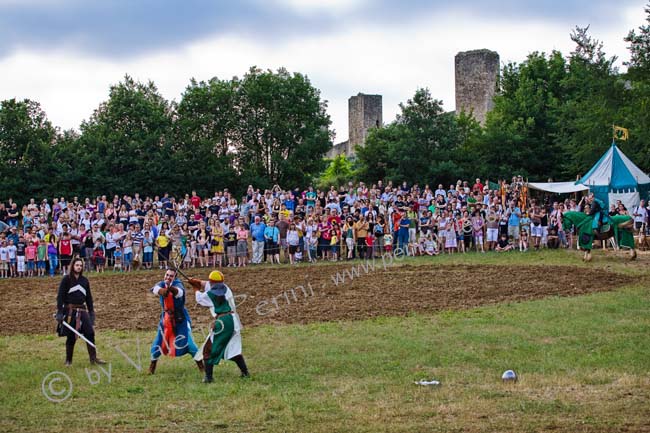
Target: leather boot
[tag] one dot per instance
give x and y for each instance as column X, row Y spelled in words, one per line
column 200, row 365
column 69, row 351
column 208, row 373
column 152, row 366
column 92, row 354
column 241, row 363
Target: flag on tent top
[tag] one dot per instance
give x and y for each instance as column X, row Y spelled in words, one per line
column 620, row 133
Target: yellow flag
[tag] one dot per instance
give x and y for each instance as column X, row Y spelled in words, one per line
column 620, row 133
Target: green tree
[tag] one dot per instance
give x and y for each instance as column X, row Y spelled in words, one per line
column 375, row 159
column 26, row 139
column 282, row 131
column 636, row 112
column 338, row 172
column 69, row 177
column 204, row 128
column 518, row 134
column 124, row 146
column 593, row 98
column 422, row 145
column 639, row 46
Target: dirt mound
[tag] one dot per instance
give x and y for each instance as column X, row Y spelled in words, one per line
column 307, row 293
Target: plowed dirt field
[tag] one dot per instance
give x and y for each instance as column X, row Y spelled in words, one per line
column 306, row 294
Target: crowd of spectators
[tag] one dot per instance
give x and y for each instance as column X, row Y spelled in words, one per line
column 278, row 225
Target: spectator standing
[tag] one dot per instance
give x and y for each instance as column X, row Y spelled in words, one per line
column 65, row 252
column 230, row 240
column 361, row 228
column 4, row 259
column 257, row 236
column 272, row 237
column 283, row 227
column 403, row 233
column 640, row 214
column 514, row 214
column 147, row 249
column 41, row 257
column 293, row 240
column 242, row 244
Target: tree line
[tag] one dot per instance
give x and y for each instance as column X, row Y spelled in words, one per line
column 552, row 118
column 265, row 128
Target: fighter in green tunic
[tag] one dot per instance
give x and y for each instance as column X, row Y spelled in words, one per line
column 598, row 212
column 224, row 341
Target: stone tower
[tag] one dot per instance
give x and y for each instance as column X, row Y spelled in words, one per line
column 477, row 74
column 364, row 112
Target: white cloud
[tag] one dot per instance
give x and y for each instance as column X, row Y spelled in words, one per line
column 392, row 61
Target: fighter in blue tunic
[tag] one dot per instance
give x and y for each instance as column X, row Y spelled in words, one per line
column 174, row 337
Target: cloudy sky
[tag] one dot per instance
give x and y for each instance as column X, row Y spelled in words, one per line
column 66, row 53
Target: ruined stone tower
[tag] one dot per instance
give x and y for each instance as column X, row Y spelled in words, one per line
column 364, row 112
column 477, row 73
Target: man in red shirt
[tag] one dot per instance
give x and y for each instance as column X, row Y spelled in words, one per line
column 65, row 252
column 195, row 200
column 334, row 216
column 478, row 186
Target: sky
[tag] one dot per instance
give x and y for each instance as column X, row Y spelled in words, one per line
column 66, row 54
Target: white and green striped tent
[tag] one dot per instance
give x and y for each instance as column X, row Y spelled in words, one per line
column 616, row 177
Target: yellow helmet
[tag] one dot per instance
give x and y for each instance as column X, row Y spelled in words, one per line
column 215, row 277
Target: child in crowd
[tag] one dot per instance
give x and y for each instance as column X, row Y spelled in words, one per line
column 127, row 253
column 117, row 259
column 312, row 243
column 41, row 258
column 334, row 244
column 413, row 248
column 388, row 242
column 4, row 260
column 421, row 245
column 552, row 239
column 370, row 243
column 430, row 245
column 523, row 240
column 30, row 258
column 98, row 256
column 503, row 244
column 11, row 252
column 194, row 252
column 524, row 223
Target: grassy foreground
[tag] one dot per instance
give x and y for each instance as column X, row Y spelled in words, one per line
column 583, row 362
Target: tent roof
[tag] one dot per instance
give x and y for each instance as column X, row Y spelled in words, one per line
column 615, row 170
column 558, row 187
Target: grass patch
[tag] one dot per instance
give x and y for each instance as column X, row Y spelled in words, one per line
column 583, row 366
